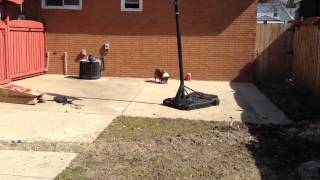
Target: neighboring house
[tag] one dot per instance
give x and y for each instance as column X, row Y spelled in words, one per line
column 273, row 12
column 293, row 7
column 218, row 36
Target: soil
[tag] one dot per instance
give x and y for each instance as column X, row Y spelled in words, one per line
column 296, row 101
column 143, row 148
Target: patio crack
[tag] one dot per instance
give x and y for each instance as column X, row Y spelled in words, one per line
column 25, row 176
column 133, row 100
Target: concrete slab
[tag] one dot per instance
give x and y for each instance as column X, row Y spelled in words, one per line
column 31, row 126
column 124, row 89
column 101, row 101
column 8, row 177
column 87, row 106
column 108, row 96
column 30, row 165
column 241, row 102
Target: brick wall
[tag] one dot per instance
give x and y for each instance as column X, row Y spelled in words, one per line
column 218, row 37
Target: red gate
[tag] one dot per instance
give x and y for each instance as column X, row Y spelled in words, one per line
column 22, row 49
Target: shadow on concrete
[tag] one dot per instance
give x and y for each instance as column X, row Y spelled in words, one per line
column 154, row 82
column 72, row 98
column 72, row 77
column 297, row 101
column 98, row 99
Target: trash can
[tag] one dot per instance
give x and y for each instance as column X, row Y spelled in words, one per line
column 91, row 69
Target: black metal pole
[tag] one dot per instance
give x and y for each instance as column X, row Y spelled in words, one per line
column 185, row 100
column 180, row 93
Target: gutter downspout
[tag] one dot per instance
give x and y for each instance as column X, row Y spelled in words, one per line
column 65, row 61
column 48, row 61
column 46, row 50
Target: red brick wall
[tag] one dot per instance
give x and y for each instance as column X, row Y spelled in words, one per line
column 218, row 37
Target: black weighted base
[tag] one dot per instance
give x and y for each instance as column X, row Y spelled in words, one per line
column 194, row 100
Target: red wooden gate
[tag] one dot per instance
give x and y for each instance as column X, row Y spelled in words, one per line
column 22, row 49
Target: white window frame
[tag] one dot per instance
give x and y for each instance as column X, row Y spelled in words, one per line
column 123, row 7
column 71, row 7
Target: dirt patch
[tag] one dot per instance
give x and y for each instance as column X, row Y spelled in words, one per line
column 143, row 148
column 297, row 102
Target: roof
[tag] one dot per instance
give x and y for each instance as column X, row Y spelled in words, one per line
column 267, row 18
column 292, row 3
column 266, row 12
column 13, row 1
column 287, row 3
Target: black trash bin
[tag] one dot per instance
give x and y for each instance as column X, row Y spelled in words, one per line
column 91, row 69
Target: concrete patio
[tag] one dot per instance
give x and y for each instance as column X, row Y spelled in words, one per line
column 30, row 165
column 103, row 100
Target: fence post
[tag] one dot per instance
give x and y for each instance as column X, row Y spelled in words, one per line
column 6, row 48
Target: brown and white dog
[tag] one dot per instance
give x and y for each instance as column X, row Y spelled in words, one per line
column 162, row 75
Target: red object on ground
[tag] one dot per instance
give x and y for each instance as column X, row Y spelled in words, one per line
column 188, row 77
column 11, row 93
column 13, row 1
column 17, row 88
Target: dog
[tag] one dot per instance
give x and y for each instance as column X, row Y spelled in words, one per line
column 162, row 75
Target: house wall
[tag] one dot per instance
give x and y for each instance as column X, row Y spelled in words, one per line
column 218, row 37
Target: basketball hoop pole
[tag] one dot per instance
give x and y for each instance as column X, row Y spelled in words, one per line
column 185, row 100
column 181, row 90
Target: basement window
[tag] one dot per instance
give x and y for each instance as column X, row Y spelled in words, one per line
column 62, row 4
column 131, row 5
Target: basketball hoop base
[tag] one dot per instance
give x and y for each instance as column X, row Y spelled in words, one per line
column 191, row 101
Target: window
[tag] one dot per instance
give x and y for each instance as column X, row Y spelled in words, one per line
column 62, row 4
column 275, row 12
column 131, row 5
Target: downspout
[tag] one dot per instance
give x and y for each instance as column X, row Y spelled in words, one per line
column 65, row 67
column 46, row 50
column 47, row 63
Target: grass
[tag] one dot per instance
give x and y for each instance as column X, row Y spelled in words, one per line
column 144, row 148
column 133, row 129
